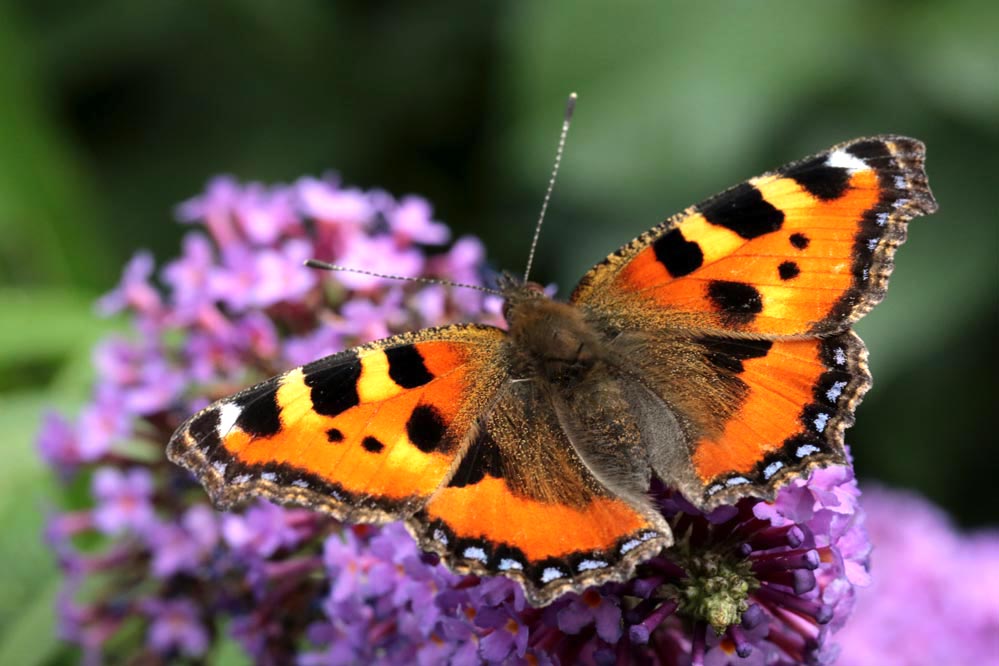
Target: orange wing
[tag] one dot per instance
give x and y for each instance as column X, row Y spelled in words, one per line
column 524, row 504
column 797, row 398
column 736, row 312
column 365, row 435
column 427, row 427
column 803, row 250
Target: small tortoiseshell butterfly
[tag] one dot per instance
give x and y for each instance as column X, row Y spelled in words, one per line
column 714, row 351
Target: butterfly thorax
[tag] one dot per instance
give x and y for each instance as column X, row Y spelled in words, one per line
column 549, row 340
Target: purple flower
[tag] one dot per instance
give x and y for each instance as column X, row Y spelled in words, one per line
column 217, row 350
column 139, row 374
column 101, row 424
column 134, row 292
column 411, row 221
column 326, row 203
column 463, row 264
column 378, row 254
column 753, row 581
column 311, row 346
column 261, row 531
column 256, row 337
column 281, row 275
column 235, row 282
column 747, row 646
column 214, row 209
column 190, row 276
column 508, row 635
column 592, row 608
column 175, row 627
column 932, row 598
column 364, row 320
column 383, row 601
column 84, row 625
column 58, row 444
column 264, row 214
column 183, row 546
column 123, row 499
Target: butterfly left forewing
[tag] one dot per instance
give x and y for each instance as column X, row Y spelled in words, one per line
column 365, row 435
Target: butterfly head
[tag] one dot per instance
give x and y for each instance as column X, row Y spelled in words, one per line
column 516, row 293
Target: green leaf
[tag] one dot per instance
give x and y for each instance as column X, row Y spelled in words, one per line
column 228, row 653
column 47, row 210
column 28, row 639
column 25, row 492
column 41, row 323
column 30, row 577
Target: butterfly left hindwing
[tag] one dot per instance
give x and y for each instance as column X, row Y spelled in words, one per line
column 525, row 503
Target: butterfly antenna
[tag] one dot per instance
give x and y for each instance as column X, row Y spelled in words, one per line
column 322, row 265
column 569, row 108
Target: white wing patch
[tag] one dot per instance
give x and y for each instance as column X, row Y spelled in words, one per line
column 841, row 159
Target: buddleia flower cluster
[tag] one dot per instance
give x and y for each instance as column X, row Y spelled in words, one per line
column 933, row 596
column 153, row 574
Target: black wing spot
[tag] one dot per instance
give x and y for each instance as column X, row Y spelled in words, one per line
column 425, row 428
column 738, row 302
column 334, row 387
column 204, row 429
column 800, row 241
column 788, row 270
column 372, row 445
column 679, row 255
column 869, row 151
column 743, row 210
column 259, row 413
column 729, row 353
column 334, row 435
column 819, row 179
column 406, row 367
column 483, row 457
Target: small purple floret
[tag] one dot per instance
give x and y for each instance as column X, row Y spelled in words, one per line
column 123, row 499
column 175, row 627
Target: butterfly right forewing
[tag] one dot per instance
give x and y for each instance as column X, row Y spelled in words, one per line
column 803, row 250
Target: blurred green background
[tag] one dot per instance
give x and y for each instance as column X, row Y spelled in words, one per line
column 112, row 111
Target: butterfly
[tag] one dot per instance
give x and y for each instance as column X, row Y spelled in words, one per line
column 713, row 352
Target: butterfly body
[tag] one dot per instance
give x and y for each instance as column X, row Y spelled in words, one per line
column 713, row 352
